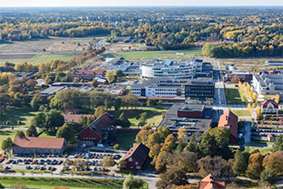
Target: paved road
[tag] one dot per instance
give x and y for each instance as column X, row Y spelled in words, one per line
column 247, row 132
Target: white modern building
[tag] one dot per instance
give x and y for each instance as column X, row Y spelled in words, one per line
column 170, row 69
column 160, row 87
column 268, row 84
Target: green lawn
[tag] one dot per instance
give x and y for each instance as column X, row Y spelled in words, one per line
column 262, row 150
column 233, row 96
column 72, row 183
column 157, row 54
column 126, row 139
column 241, row 112
column 40, row 58
column 242, row 184
column 7, row 133
column 48, row 135
column 154, row 115
column 12, row 114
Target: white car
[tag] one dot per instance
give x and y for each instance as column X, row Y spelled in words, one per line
column 100, row 146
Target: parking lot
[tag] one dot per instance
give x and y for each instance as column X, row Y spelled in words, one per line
column 83, row 161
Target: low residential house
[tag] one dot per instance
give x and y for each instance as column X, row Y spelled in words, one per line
column 136, row 157
column 211, row 182
column 102, row 130
column 230, row 121
column 31, row 145
column 71, row 110
column 74, row 118
column 81, row 74
column 269, row 106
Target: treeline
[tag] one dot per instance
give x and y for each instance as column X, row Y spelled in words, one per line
column 228, row 50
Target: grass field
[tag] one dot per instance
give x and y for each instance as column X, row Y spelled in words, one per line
column 241, row 112
column 156, row 54
column 7, row 133
column 72, row 183
column 233, row 96
column 40, row 58
column 48, row 135
column 126, row 139
column 154, row 115
column 239, row 184
column 12, row 117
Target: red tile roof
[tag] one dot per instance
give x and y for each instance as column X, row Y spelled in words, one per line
column 138, row 152
column 230, row 120
column 38, row 142
column 82, row 72
column 210, row 182
column 267, row 102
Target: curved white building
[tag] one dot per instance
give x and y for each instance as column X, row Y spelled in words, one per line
column 169, row 69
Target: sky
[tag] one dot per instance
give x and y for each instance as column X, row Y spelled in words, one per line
column 65, row 3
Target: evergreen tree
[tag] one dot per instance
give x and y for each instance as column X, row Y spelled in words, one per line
column 207, row 145
column 31, row 132
column 239, row 164
column 117, row 104
column 192, row 145
column 123, row 121
column 20, row 134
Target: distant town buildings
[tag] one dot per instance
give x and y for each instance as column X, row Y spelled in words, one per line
column 82, row 74
column 238, row 75
column 269, row 106
column 31, row 145
column 199, row 91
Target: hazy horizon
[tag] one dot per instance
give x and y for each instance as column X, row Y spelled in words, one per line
column 144, row 3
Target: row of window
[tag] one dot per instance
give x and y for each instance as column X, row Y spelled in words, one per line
column 89, row 138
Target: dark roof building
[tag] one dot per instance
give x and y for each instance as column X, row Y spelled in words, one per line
column 230, row 121
column 211, row 182
column 194, row 118
column 30, row 145
column 136, row 157
column 101, row 130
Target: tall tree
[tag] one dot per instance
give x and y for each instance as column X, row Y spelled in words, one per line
column 68, row 133
column 192, row 145
column 39, row 120
column 31, row 132
column 182, row 136
column 117, row 104
column 99, row 111
column 207, row 145
column 239, row 164
column 278, row 143
column 169, row 144
column 54, row 119
column 7, row 145
column 255, row 166
column 20, row 134
column 109, row 76
column 172, row 177
column 123, row 120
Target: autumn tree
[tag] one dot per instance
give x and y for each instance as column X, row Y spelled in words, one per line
column 99, row 111
column 182, row 135
column 110, row 76
column 169, row 144
column 172, row 177
column 216, row 166
column 108, row 161
column 274, row 162
column 254, row 166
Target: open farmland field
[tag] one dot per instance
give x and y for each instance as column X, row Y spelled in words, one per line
column 36, row 58
column 42, row 50
column 249, row 62
column 137, row 55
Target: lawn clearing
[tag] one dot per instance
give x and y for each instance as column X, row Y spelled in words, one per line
column 13, row 115
column 137, row 55
column 241, row 112
column 153, row 117
column 48, row 135
column 262, row 150
column 126, row 139
column 7, row 133
column 233, row 96
column 40, row 58
column 72, row 183
column 239, row 184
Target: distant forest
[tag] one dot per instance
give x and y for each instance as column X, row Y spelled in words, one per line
column 222, row 32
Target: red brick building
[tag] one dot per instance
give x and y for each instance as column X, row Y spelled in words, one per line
column 136, row 157
column 230, row 121
column 269, row 106
column 103, row 129
column 211, row 182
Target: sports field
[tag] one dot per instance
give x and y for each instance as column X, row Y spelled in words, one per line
column 137, row 55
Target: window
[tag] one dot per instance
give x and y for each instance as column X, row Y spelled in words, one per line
column 130, row 160
column 137, row 163
column 138, row 167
